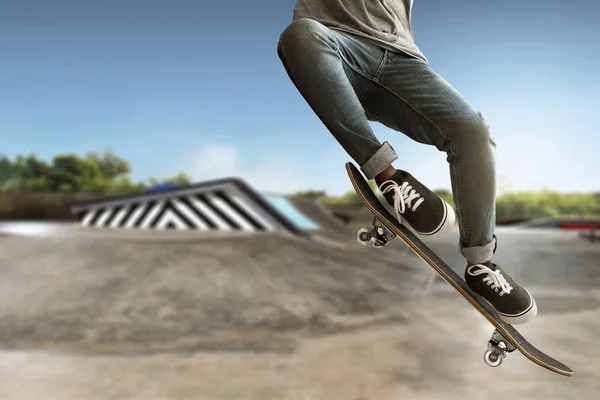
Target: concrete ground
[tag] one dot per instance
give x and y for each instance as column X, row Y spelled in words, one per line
column 438, row 355
column 265, row 317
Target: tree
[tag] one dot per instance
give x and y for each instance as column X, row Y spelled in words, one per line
column 71, row 173
column 111, row 166
column 6, row 171
column 310, row 194
column 181, row 178
column 96, row 172
column 66, row 172
column 29, row 173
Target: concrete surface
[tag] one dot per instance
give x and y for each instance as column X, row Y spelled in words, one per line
column 144, row 315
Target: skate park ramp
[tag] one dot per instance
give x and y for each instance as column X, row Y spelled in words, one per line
column 291, row 211
column 220, row 205
column 100, row 313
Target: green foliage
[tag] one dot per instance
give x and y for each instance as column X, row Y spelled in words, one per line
column 110, row 165
column 547, row 204
column 94, row 173
column 6, row 171
column 181, row 179
column 350, row 198
column 522, row 205
column 310, row 194
column 107, row 173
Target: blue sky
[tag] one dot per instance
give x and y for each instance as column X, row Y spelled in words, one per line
column 178, row 85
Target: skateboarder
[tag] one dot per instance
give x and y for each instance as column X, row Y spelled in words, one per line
column 355, row 61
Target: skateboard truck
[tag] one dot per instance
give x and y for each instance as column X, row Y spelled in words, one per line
column 377, row 235
column 498, row 349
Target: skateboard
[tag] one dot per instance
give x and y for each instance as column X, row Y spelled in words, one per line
column 386, row 227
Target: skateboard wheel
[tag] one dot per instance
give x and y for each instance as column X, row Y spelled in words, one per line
column 365, row 236
column 493, row 356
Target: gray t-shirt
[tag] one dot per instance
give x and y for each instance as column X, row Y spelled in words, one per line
column 383, row 22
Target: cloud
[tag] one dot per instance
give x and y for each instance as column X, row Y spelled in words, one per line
column 525, row 161
column 271, row 174
column 536, row 153
column 216, row 161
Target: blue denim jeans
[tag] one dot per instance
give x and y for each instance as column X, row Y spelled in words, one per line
column 348, row 81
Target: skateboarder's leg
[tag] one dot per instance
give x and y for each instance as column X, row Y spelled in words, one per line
column 347, row 81
column 411, row 98
column 334, row 71
column 331, row 71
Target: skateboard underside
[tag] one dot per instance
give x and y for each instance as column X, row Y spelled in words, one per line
column 385, row 228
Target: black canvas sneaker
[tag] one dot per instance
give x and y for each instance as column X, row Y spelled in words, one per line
column 514, row 304
column 415, row 204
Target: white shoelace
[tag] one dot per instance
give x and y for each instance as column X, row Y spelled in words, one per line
column 494, row 279
column 403, row 196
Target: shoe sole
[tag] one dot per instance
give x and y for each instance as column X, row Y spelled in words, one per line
column 521, row 318
column 446, row 225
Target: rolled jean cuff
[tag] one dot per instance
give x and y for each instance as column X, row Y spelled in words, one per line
column 383, row 158
column 480, row 254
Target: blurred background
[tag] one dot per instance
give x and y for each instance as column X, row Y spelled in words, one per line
column 176, row 223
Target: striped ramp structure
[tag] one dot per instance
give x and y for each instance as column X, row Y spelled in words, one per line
column 219, row 205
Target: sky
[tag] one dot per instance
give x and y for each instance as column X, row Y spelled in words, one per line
column 182, row 85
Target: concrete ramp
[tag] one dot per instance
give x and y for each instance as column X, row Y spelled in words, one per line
column 301, row 219
column 218, row 205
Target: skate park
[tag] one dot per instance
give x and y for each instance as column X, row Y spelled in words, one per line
column 299, row 310
column 175, row 220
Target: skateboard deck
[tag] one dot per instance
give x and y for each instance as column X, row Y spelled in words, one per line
column 505, row 338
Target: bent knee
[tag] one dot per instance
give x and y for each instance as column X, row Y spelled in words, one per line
column 476, row 130
column 301, row 35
